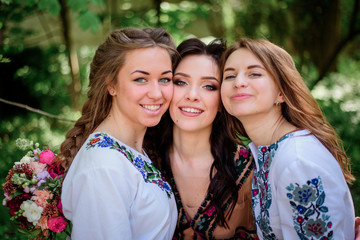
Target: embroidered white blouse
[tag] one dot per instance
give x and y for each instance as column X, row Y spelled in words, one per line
column 299, row 192
column 111, row 191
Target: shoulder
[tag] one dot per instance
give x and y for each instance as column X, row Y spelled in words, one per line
column 102, row 153
column 304, row 150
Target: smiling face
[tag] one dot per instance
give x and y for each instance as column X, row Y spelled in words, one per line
column 247, row 88
column 196, row 96
column 144, row 89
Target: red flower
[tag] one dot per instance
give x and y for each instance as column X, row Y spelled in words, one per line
column 14, row 204
column 57, row 224
column 300, row 219
column 56, row 170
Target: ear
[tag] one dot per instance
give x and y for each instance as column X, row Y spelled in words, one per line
column 110, row 87
column 280, row 98
column 111, row 90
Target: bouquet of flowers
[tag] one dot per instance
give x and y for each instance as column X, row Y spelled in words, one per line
column 32, row 193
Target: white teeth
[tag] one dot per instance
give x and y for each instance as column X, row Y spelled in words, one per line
column 191, row 110
column 151, row 107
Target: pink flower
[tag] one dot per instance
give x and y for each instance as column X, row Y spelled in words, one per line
column 43, row 222
column 46, row 157
column 244, row 152
column 57, row 224
column 59, row 206
column 210, row 211
column 37, row 167
column 41, row 197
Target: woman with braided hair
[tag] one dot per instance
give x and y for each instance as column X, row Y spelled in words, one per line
column 112, row 190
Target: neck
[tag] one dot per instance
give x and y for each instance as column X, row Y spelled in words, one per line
column 190, row 155
column 192, row 146
column 266, row 130
column 130, row 134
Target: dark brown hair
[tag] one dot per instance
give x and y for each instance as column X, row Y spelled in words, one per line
column 159, row 139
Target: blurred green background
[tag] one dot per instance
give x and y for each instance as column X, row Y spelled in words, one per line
column 46, row 47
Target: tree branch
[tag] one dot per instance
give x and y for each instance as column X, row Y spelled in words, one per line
column 35, row 110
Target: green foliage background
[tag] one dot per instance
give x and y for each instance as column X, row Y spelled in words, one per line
column 38, row 75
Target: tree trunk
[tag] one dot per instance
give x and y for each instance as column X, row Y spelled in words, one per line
column 75, row 85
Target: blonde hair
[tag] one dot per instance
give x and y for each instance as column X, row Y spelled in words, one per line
column 108, row 59
column 300, row 107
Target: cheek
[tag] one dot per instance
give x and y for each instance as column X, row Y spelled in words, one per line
column 224, row 93
column 167, row 92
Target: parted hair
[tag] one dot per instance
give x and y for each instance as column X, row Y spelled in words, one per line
column 300, row 107
column 108, row 60
column 159, row 139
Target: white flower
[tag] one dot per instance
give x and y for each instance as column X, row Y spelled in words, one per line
column 25, row 159
column 31, row 211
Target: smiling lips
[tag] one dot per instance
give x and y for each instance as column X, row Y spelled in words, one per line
column 152, row 108
column 240, row 96
column 188, row 111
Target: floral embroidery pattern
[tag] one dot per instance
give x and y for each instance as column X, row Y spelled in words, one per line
column 203, row 224
column 261, row 190
column 310, row 217
column 149, row 172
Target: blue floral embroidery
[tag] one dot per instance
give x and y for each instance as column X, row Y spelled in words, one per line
column 309, row 214
column 149, row 172
column 261, row 190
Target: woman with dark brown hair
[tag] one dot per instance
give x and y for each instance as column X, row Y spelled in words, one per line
column 209, row 173
column 299, row 190
column 112, row 190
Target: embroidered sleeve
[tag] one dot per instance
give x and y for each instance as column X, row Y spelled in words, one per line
column 311, row 202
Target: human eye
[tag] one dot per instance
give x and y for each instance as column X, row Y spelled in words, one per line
column 229, row 77
column 210, row 87
column 178, row 82
column 140, row 80
column 255, row 75
column 165, row 80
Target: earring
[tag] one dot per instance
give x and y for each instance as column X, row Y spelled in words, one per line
column 277, row 103
column 112, row 92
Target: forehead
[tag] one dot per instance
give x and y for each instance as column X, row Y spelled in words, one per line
column 147, row 59
column 242, row 57
column 200, row 64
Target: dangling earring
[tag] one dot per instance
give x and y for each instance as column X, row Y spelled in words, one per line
column 277, row 103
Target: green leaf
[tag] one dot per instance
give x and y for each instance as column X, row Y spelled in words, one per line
column 52, row 5
column 309, row 213
column 323, row 209
column 36, row 232
column 77, row 5
column 97, row 2
column 87, row 20
column 321, row 199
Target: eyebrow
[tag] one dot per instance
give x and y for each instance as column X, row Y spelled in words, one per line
column 146, row 73
column 249, row 67
column 204, row 77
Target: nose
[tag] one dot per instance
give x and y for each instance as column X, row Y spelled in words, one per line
column 155, row 91
column 240, row 82
column 192, row 94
